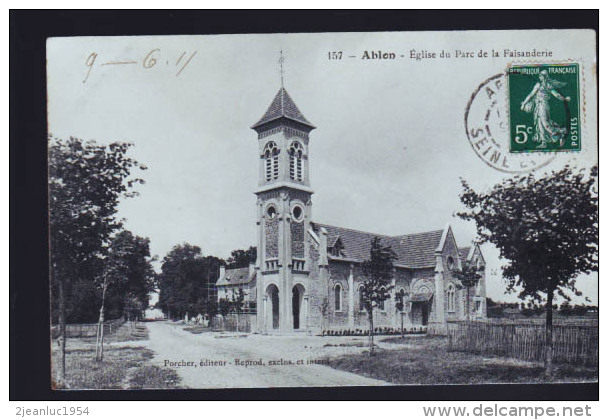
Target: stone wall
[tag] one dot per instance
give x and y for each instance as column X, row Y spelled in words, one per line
column 297, row 239
column 317, row 291
column 338, row 275
column 389, row 316
column 450, row 250
column 272, row 238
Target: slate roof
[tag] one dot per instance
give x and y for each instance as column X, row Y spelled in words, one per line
column 235, row 276
column 332, row 241
column 463, row 252
column 283, row 106
column 415, row 250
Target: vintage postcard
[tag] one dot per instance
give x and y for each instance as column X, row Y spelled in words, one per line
column 323, row 209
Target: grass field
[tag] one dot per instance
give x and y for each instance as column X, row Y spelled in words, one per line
column 425, row 360
column 125, row 365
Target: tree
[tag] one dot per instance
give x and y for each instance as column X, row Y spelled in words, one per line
column 469, row 276
column 240, row 258
column 375, row 289
column 127, row 279
column 400, row 306
column 565, row 308
column 580, row 310
column 237, row 304
column 547, row 230
column 211, row 272
column 130, row 297
column 114, row 272
column 186, row 281
column 234, row 304
column 225, row 307
column 86, row 183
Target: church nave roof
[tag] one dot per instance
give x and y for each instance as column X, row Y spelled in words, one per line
column 416, row 250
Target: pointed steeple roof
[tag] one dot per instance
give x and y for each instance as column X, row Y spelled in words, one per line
column 283, row 106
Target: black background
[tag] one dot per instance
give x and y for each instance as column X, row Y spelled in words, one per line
column 29, row 302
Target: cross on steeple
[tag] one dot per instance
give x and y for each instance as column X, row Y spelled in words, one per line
column 282, row 106
column 281, row 60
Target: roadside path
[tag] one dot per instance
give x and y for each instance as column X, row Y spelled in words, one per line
column 170, row 342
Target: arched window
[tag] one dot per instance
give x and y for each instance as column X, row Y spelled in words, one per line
column 271, row 212
column 338, row 297
column 296, row 152
column 361, row 299
column 451, row 298
column 381, row 303
column 271, row 159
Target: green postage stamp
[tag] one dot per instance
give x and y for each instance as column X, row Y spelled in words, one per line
column 544, row 103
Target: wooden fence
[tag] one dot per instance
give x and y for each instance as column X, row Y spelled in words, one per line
column 87, row 330
column 576, row 344
column 229, row 322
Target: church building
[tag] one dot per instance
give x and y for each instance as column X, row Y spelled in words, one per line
column 308, row 275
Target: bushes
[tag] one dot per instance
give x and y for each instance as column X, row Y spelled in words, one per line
column 377, row 331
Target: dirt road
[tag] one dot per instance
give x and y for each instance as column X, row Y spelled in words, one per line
column 211, row 360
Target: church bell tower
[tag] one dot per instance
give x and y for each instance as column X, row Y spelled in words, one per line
column 283, row 216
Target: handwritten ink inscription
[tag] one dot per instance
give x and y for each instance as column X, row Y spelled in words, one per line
column 151, row 59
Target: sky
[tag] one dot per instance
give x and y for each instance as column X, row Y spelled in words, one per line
column 387, row 156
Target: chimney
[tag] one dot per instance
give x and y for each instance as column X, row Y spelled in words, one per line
column 251, row 269
column 222, row 271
